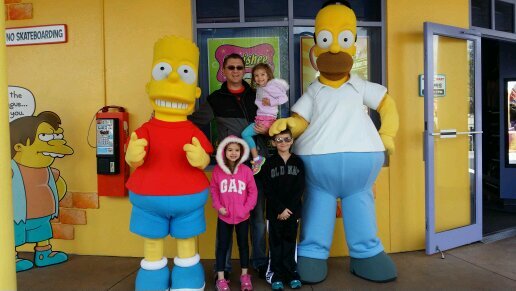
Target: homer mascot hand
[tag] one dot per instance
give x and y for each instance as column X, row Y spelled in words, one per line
column 168, row 188
column 342, row 152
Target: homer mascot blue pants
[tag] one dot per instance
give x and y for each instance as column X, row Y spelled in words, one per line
column 350, row 177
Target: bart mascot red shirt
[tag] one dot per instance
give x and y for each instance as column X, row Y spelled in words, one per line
column 168, row 188
column 342, row 152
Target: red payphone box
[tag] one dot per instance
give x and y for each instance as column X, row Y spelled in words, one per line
column 112, row 130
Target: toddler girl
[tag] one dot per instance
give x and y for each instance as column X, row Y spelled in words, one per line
column 270, row 93
column 234, row 195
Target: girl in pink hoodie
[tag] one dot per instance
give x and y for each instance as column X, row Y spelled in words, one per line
column 234, row 194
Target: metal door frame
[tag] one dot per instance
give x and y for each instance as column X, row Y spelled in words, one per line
column 445, row 240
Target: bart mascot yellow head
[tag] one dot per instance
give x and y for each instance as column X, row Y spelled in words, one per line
column 342, row 151
column 168, row 188
column 173, row 86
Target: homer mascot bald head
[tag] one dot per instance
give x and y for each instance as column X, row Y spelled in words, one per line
column 342, row 151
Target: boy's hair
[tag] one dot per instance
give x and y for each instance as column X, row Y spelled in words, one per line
column 226, row 161
column 286, row 131
column 232, row 56
column 266, row 68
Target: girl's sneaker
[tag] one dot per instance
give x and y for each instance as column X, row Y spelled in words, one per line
column 277, row 286
column 245, row 283
column 295, row 284
column 222, row 285
column 257, row 164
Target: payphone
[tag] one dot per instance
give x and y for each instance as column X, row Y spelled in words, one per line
column 108, row 160
column 112, row 130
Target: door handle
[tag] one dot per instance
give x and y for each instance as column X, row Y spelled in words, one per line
column 452, row 133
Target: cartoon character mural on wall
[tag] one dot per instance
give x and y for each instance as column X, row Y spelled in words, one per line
column 342, row 152
column 168, row 188
column 36, row 141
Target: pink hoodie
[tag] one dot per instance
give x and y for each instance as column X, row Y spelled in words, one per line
column 234, row 191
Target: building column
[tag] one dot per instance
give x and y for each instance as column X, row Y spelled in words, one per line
column 7, row 261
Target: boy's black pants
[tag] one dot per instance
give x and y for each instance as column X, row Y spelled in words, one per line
column 282, row 245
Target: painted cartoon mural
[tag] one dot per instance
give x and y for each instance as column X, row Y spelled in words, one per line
column 36, row 141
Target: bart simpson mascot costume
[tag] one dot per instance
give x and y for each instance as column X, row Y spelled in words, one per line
column 342, row 152
column 168, row 188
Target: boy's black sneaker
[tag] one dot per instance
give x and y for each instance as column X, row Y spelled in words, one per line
column 295, row 284
column 277, row 286
column 262, row 271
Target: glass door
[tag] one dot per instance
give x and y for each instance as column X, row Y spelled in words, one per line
column 453, row 137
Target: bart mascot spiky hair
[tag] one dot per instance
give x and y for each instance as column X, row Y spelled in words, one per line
column 342, row 152
column 168, row 189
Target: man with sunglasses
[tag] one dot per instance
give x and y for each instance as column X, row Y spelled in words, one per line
column 233, row 108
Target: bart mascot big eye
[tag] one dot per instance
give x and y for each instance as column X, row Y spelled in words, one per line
column 168, row 188
column 342, row 152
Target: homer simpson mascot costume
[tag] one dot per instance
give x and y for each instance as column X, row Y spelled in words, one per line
column 168, row 188
column 342, row 152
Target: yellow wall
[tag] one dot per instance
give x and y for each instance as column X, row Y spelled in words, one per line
column 404, row 63
column 107, row 61
column 131, row 29
column 66, row 78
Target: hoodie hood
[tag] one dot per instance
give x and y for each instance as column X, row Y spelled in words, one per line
column 279, row 83
column 220, row 153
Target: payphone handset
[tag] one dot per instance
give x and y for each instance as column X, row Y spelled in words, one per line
column 108, row 160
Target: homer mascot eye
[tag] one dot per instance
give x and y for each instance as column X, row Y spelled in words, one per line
column 324, row 39
column 346, row 39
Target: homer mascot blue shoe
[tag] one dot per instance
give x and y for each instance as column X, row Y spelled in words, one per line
column 342, row 152
column 168, row 188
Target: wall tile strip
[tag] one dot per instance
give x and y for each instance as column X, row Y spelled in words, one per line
column 85, row 200
column 19, row 11
column 12, row 1
column 63, row 231
column 67, row 200
column 72, row 216
column 72, row 212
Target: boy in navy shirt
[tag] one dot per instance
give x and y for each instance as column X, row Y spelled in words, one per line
column 284, row 185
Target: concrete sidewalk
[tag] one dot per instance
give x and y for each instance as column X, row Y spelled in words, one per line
column 474, row 267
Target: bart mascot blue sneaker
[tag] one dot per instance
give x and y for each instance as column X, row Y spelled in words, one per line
column 153, row 276
column 188, row 274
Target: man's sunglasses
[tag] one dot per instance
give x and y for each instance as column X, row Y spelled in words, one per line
column 232, row 68
column 282, row 139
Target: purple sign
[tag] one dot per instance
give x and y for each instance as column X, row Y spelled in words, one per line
column 262, row 53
